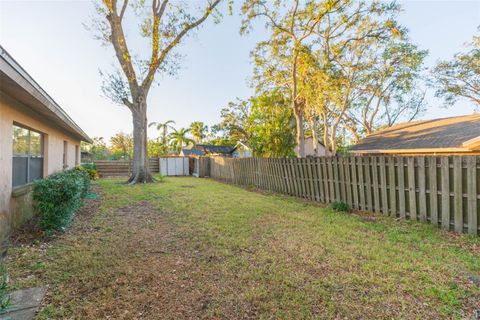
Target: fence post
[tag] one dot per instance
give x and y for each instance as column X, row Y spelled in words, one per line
column 458, row 194
column 472, row 195
column 445, row 193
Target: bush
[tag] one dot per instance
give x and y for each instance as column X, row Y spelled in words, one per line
column 340, row 206
column 58, row 197
column 90, row 168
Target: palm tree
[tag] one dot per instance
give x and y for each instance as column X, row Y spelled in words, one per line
column 179, row 139
column 163, row 127
column 199, row 130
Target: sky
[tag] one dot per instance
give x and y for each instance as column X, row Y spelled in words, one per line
column 49, row 39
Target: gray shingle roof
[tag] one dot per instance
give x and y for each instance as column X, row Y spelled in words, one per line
column 429, row 134
column 209, row 148
column 192, row 152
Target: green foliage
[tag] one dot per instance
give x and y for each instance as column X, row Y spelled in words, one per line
column 340, row 206
column 5, row 300
column 233, row 125
column 122, row 146
column 163, row 127
column 460, row 77
column 270, row 125
column 155, row 148
column 90, row 168
column 179, row 139
column 199, row 131
column 59, row 196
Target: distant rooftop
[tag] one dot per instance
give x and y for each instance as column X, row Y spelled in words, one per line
column 452, row 134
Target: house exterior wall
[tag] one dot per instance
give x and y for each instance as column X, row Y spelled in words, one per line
column 15, row 208
column 242, row 152
column 309, row 149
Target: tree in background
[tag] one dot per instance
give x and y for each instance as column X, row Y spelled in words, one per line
column 163, row 127
column 165, row 24
column 460, row 77
column 179, row 139
column 121, row 145
column 292, row 24
column 155, row 148
column 232, row 127
column 336, row 36
column 271, row 125
column 98, row 148
column 199, row 131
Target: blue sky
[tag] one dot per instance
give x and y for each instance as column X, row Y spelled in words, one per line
column 49, row 40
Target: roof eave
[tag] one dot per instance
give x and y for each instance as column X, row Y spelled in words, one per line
column 23, row 80
column 419, row 150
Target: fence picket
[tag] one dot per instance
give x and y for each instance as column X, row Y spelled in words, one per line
column 361, row 183
column 412, row 196
column 348, row 181
column 458, row 195
column 376, row 192
column 392, row 184
column 325, row 180
column 320, row 179
column 353, row 166
column 401, row 188
column 432, row 187
column 368, row 184
column 445, row 193
column 472, row 195
column 383, row 185
column 422, row 195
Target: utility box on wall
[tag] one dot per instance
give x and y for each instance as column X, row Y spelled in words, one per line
column 174, row 166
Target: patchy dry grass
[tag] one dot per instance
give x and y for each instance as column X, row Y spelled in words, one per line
column 194, row 248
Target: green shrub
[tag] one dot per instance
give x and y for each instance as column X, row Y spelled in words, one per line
column 90, row 168
column 5, row 300
column 340, row 206
column 58, row 197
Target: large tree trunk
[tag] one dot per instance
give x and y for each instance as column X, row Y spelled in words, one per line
column 325, row 136
column 140, row 169
column 300, row 138
column 314, row 138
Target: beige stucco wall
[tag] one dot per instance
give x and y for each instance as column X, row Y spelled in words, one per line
column 309, row 148
column 12, row 111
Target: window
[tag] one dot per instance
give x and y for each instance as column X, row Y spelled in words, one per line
column 65, row 154
column 77, row 155
column 27, row 156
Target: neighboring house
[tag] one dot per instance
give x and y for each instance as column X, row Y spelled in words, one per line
column 454, row 135
column 37, row 138
column 207, row 150
column 242, row 150
column 86, row 156
column 191, row 152
column 309, row 149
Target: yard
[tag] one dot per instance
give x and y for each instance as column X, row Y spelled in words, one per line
column 196, row 248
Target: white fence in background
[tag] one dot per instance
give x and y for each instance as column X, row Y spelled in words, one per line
column 174, row 166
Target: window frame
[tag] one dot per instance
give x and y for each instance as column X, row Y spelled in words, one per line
column 28, row 155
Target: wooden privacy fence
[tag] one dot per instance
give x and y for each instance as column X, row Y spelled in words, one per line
column 121, row 168
column 441, row 190
column 201, row 167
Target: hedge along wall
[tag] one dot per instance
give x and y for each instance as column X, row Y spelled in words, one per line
column 59, row 196
column 442, row 190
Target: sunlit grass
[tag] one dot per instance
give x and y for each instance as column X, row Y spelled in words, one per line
column 263, row 255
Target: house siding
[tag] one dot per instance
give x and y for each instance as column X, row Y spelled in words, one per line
column 15, row 210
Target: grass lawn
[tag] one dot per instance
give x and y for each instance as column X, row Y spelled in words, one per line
column 196, row 248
